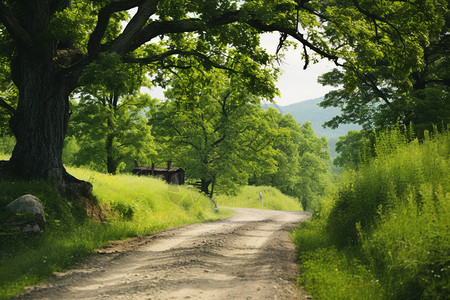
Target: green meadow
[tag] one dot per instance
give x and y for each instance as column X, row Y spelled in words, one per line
column 248, row 197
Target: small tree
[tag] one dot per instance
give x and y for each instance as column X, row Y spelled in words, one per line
column 111, row 131
column 215, row 128
column 108, row 122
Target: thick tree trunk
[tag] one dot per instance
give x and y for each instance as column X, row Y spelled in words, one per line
column 41, row 119
column 40, row 124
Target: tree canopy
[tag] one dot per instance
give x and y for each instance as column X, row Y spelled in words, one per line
column 49, row 45
column 396, row 70
column 301, row 161
column 213, row 126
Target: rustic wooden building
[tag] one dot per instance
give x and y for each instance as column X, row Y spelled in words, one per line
column 168, row 174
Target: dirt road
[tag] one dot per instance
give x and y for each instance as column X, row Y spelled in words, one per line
column 248, row 256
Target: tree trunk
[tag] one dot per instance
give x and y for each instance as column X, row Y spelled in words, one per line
column 111, row 162
column 40, row 124
column 205, row 186
column 41, row 118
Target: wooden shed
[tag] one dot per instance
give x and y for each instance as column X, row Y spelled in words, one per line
column 168, row 174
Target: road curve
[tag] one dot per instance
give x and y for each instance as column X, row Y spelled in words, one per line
column 247, row 256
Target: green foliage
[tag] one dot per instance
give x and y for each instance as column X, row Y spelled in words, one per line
column 70, row 151
column 301, row 161
column 7, row 143
column 134, row 205
column 8, row 93
column 398, row 168
column 107, row 133
column 410, row 247
column 330, row 274
column 351, row 149
column 109, row 75
column 248, row 197
column 73, row 25
column 125, row 211
column 214, row 127
column 396, row 63
column 387, row 226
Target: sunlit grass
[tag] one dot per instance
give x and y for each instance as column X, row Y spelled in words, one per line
column 134, row 206
column 249, row 197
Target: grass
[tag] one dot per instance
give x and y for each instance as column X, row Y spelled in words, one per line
column 248, row 197
column 135, row 206
column 384, row 234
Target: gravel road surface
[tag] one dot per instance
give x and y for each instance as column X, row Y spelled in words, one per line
column 247, row 256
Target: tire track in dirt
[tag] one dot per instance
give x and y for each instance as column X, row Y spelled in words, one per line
column 247, row 256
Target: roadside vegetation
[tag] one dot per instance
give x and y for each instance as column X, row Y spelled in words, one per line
column 133, row 206
column 248, row 197
column 384, row 232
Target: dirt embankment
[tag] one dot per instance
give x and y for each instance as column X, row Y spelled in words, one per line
column 248, row 256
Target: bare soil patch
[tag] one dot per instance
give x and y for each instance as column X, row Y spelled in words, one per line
column 247, row 256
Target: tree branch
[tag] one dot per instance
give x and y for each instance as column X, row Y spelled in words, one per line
column 8, row 107
column 293, row 33
column 17, row 32
column 220, row 140
column 377, row 18
column 158, row 28
column 103, row 19
column 162, row 56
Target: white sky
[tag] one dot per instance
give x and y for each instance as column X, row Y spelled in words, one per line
column 295, row 84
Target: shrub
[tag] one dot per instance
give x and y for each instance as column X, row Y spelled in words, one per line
column 386, row 181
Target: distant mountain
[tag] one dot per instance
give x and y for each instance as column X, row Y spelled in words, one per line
column 309, row 110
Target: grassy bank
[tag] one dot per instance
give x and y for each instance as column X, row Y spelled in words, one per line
column 384, row 234
column 134, row 206
column 249, row 197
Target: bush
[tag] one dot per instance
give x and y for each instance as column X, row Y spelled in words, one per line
column 409, row 249
column 387, row 180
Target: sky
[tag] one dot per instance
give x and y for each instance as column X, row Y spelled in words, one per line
column 295, row 84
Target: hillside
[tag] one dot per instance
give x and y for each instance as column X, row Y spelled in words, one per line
column 309, row 110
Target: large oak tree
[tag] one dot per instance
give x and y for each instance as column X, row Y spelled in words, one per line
column 49, row 44
column 53, row 41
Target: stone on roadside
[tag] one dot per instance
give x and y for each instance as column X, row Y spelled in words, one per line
column 27, row 213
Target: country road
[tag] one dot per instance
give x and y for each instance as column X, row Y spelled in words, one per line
column 247, row 256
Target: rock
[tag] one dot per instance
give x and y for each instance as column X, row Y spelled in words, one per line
column 26, row 212
column 31, row 229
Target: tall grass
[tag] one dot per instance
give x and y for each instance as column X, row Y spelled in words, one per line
column 388, row 224
column 249, row 197
column 134, row 206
